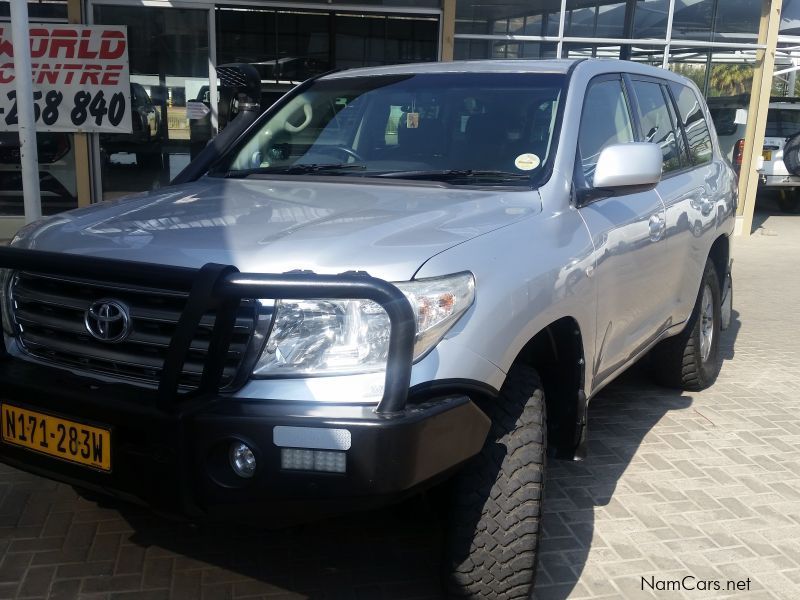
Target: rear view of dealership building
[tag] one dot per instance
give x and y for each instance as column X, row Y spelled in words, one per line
column 728, row 47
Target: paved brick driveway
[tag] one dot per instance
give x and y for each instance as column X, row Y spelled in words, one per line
column 705, row 485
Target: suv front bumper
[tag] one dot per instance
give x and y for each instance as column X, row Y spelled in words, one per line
column 177, row 462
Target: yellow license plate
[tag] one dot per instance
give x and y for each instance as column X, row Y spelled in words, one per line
column 74, row 442
column 767, row 154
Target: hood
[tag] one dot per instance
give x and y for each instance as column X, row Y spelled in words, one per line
column 278, row 225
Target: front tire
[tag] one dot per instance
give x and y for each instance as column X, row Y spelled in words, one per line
column 494, row 517
column 690, row 360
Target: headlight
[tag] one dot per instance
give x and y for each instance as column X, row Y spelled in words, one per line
column 325, row 337
column 339, row 337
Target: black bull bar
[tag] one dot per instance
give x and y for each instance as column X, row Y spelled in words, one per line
column 221, row 288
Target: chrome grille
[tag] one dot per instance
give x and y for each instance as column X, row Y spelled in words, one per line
column 49, row 312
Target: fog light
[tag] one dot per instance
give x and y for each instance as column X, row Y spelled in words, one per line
column 298, row 459
column 243, row 462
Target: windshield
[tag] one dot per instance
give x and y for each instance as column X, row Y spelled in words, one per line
column 461, row 128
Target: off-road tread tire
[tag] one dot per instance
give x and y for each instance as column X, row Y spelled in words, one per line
column 677, row 361
column 496, row 506
column 791, row 154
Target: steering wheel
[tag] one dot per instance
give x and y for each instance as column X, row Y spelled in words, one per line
column 348, row 152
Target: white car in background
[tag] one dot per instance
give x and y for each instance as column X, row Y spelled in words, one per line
column 783, row 123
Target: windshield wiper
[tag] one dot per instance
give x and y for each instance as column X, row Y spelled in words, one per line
column 452, row 175
column 296, row 169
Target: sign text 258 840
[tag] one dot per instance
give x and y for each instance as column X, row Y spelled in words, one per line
column 80, row 74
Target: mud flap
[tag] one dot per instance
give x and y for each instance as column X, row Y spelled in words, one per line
column 582, row 428
column 727, row 300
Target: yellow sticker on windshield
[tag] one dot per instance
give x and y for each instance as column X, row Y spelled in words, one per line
column 527, row 162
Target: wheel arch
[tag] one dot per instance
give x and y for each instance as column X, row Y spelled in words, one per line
column 557, row 354
column 720, row 254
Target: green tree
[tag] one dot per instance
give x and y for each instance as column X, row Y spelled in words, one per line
column 730, row 79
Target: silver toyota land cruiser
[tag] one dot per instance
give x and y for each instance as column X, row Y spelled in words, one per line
column 392, row 278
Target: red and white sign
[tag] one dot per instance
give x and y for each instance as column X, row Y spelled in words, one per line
column 81, row 80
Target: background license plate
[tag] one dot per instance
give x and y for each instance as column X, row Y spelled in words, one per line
column 68, row 440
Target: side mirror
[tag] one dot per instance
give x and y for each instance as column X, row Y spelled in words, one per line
column 627, row 168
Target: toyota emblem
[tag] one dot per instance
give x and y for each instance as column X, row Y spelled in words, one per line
column 108, row 321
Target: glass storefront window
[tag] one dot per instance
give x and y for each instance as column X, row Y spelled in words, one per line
column 610, row 21
column 790, row 19
column 370, row 40
column 649, row 55
column 291, row 46
column 411, row 39
column 716, row 20
column 417, row 3
column 359, row 40
column 284, row 46
column 543, row 50
column 650, row 19
column 39, row 9
column 533, row 25
column 577, row 50
column 701, row 20
column 471, row 49
column 511, row 16
column 580, row 22
column 478, row 49
column 737, row 21
column 168, row 56
column 56, row 152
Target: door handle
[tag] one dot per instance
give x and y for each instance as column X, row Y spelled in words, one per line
column 657, row 227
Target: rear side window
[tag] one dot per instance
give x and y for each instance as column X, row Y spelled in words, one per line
column 606, row 120
column 691, row 116
column 656, row 122
column 782, row 122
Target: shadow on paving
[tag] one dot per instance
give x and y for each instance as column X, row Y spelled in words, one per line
column 619, row 419
column 388, row 553
column 767, row 206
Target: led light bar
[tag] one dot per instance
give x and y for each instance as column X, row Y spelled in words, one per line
column 325, row 461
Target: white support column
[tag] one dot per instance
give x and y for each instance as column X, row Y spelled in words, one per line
column 213, row 93
column 561, row 18
column 668, row 46
column 29, row 159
